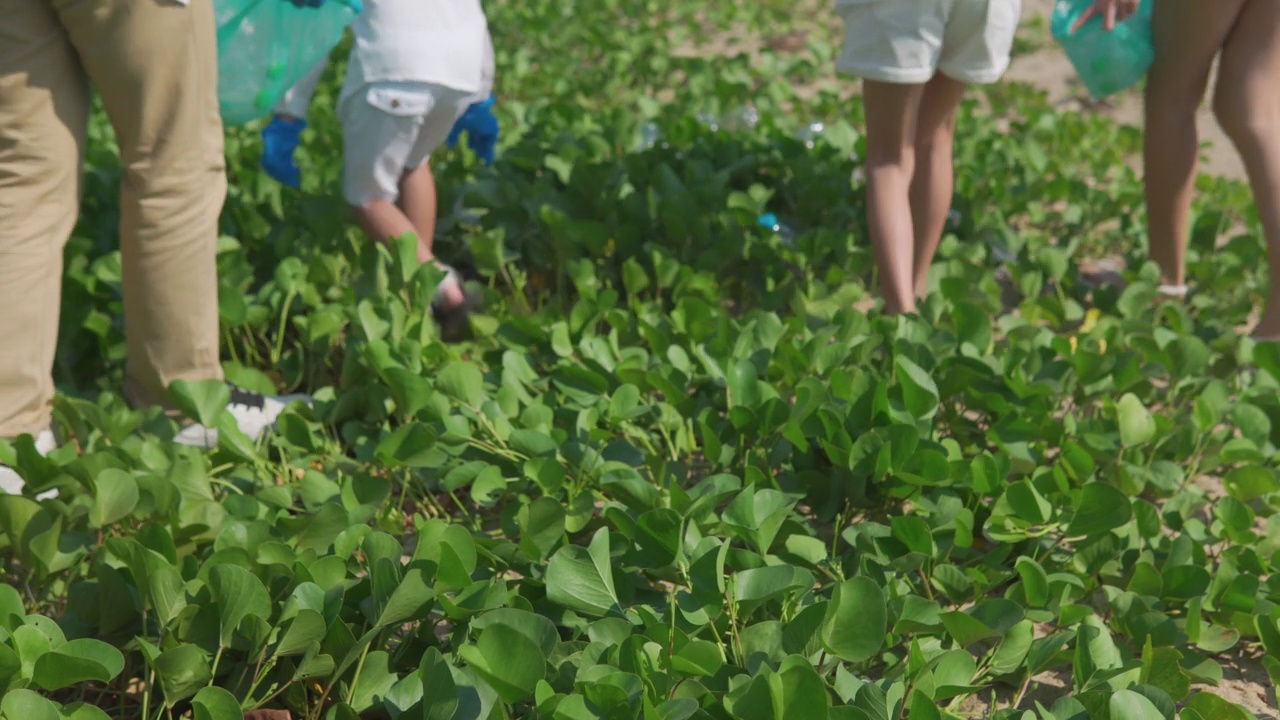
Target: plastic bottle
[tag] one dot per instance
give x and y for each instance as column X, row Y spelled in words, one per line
column 650, row 134
column 265, row 46
column 1107, row 62
column 770, row 222
column 809, row 134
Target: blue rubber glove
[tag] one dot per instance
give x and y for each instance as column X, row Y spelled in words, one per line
column 307, row 3
column 279, row 141
column 481, row 126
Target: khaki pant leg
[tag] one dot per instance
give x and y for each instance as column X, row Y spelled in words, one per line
column 44, row 108
column 154, row 64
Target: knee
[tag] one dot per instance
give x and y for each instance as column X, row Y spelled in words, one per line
column 888, row 159
column 1171, row 98
column 1240, row 113
column 939, row 140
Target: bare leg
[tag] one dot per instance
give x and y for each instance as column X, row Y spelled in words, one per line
column 891, row 129
column 418, row 200
column 1187, row 34
column 382, row 220
column 933, row 180
column 1247, row 104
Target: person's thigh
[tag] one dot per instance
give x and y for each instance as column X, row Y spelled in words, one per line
column 1188, row 34
column 446, row 107
column 892, row 41
column 942, row 97
column 44, row 107
column 154, row 63
column 978, row 41
column 381, row 124
column 1250, row 64
column 892, row 112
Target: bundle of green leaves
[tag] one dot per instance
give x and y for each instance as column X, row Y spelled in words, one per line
column 676, row 474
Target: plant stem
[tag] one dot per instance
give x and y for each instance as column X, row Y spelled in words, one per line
column 355, row 679
column 217, row 658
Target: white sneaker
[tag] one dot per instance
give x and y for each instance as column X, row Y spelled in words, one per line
column 11, row 483
column 254, row 413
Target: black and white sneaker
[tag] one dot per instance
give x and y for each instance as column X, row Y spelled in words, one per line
column 254, row 414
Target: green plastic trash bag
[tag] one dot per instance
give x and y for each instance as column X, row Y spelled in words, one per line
column 1107, row 62
column 265, row 46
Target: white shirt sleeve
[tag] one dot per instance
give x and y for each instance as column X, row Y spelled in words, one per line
column 297, row 99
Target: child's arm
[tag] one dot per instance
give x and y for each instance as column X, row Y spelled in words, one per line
column 297, row 99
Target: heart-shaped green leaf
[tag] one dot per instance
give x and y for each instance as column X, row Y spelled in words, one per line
column 856, row 620
column 581, row 579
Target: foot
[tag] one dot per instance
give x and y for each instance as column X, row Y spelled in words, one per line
column 899, row 307
column 11, row 483
column 449, row 294
column 254, row 414
column 452, row 306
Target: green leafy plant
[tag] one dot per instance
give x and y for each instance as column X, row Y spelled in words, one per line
column 680, row 471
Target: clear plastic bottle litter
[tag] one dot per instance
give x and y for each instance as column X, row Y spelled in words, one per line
column 770, row 222
column 650, row 134
column 745, row 117
column 809, row 134
column 1107, row 62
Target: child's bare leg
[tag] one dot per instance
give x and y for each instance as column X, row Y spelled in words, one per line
column 382, row 220
column 1187, row 35
column 418, row 200
column 1247, row 105
column 891, row 130
column 933, row 180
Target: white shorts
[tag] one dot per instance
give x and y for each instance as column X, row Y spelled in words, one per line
column 910, row 41
column 390, row 128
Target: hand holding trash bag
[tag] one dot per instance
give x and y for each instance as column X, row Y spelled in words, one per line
column 1111, row 12
column 1109, row 42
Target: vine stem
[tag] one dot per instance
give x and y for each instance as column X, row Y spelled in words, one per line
column 1022, row 692
column 217, row 658
column 355, row 679
column 146, row 693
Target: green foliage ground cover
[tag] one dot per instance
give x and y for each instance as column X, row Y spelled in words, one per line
column 675, row 474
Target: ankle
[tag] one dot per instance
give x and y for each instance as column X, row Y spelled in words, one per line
column 899, row 307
